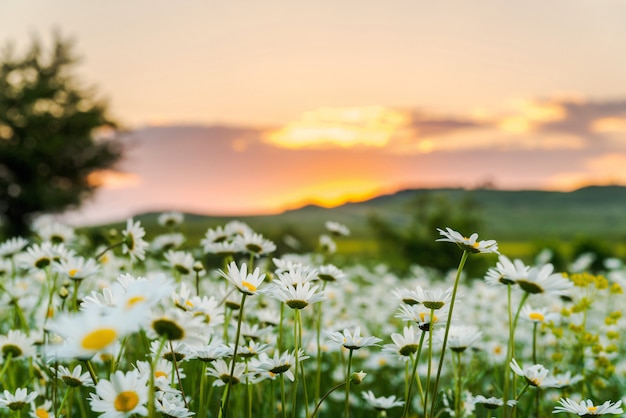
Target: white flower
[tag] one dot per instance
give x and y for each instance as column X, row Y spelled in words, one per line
column 298, row 297
column 170, row 219
column 542, row 280
column 460, row 337
column 279, row 363
column 18, row 400
column 405, row 344
column 12, row 246
column 74, row 378
column 489, row 403
column 124, row 395
column 16, row 344
column 134, row 244
column 470, row 244
column 381, row 403
column 254, row 244
column 77, row 268
column 337, row 229
column 221, row 370
column 180, row 261
column 535, row 375
column 353, row 340
column 538, row 315
column 587, row 408
column 246, row 283
column 330, row 273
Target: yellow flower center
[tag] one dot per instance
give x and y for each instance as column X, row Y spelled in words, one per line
column 189, row 303
column 72, row 272
column 41, row 413
column 126, row 401
column 159, row 373
column 248, row 286
column 536, row 316
column 98, row 339
column 592, row 408
column 134, row 300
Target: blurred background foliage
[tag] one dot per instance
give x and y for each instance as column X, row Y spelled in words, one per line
column 54, row 134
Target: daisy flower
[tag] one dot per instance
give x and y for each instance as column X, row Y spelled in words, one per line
column 165, row 242
column 337, row 229
column 327, row 244
column 17, row 401
column 535, row 375
column 87, row 332
column 587, row 408
column 298, row 297
column 12, row 246
column 37, row 256
column 42, row 411
column 433, row 299
column 76, row 268
column 470, row 244
column 296, row 273
column 543, row 280
column 330, row 273
column 279, row 363
column 405, row 344
column 353, row 340
column 74, row 378
column 254, row 244
column 460, row 337
column 54, row 232
column 489, row 403
column 172, row 405
column 221, row 370
column 177, row 325
column 246, row 283
column 16, row 345
column 134, row 244
column 538, row 315
column 170, row 219
column 180, row 261
column 122, row 396
column 381, row 403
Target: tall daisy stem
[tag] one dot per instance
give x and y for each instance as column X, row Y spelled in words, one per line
column 445, row 335
column 346, row 411
column 224, row 406
column 407, row 404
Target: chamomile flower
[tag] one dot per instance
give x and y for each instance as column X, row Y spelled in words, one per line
column 122, row 396
column 298, row 297
column 16, row 345
column 180, row 261
column 42, row 411
column 172, row 405
column 254, row 244
column 74, row 378
column 566, row 379
column 221, row 370
column 170, row 219
column 327, row 245
column 586, row 408
column 461, row 337
column 433, row 299
column 337, row 229
column 353, row 340
column 165, row 242
column 381, row 403
column 279, row 363
column 77, row 268
column 535, row 375
column 246, row 283
column 330, row 273
column 177, row 325
column 422, row 316
column 37, row 256
column 87, row 333
column 538, row 315
column 543, row 280
column 134, row 244
column 54, row 232
column 489, row 403
column 12, row 246
column 18, row 400
column 470, row 244
column 405, row 344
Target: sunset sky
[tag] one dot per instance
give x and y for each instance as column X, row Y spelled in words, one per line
column 254, row 107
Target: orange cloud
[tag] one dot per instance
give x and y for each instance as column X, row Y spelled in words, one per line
column 112, row 179
column 373, row 126
column 606, row 169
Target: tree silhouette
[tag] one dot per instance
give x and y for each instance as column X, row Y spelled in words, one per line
column 49, row 142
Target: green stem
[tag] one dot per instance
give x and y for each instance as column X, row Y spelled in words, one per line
column 294, row 395
column 326, row 395
column 430, row 360
column 445, row 335
column 224, row 406
column 346, row 411
column 180, row 382
column 407, row 404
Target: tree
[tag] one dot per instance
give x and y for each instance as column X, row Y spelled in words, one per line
column 414, row 242
column 49, row 142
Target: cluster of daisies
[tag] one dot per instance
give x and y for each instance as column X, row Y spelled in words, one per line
column 146, row 327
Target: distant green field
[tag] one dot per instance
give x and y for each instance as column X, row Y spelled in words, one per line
column 521, row 221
